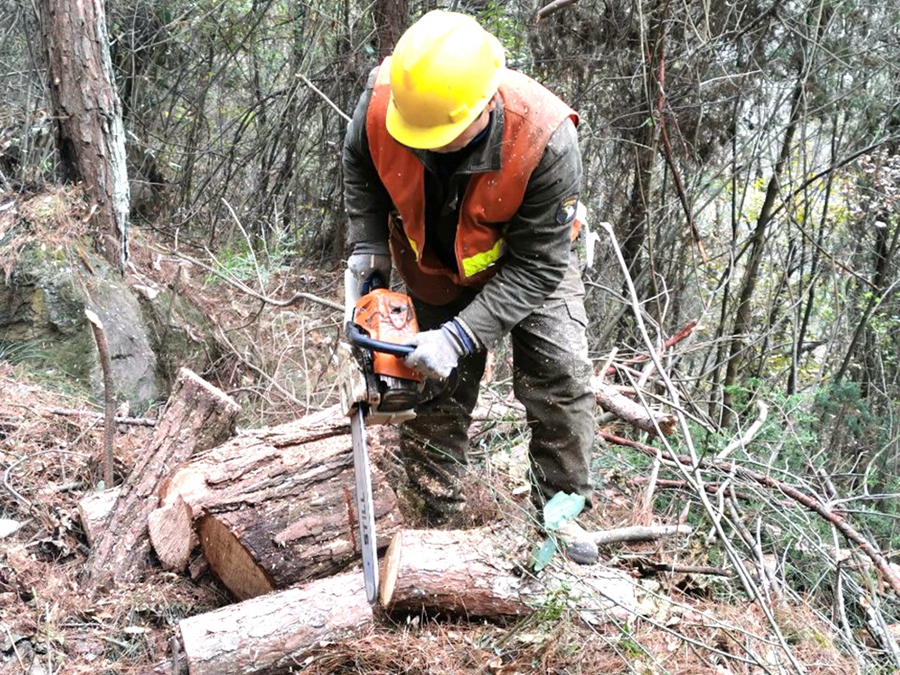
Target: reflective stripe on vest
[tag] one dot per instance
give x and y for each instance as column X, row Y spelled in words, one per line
column 481, row 261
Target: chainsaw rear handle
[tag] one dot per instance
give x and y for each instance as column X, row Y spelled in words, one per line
column 358, row 338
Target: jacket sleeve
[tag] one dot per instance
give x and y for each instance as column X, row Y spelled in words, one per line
column 539, row 243
column 365, row 198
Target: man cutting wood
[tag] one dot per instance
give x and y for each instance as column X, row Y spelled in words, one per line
column 465, row 175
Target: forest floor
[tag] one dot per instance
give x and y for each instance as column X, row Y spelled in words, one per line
column 50, row 459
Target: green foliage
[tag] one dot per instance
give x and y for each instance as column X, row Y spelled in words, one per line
column 21, row 352
column 554, row 605
column 496, row 18
column 243, row 263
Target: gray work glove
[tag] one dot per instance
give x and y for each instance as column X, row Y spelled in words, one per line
column 367, row 257
column 438, row 351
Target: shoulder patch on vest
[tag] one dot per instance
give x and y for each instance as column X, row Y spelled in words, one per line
column 566, row 211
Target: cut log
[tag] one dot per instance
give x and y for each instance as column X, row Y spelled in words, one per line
column 456, row 572
column 476, row 573
column 197, row 416
column 275, row 507
column 165, row 523
column 276, row 632
column 94, row 510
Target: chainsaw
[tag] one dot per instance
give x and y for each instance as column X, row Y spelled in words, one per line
column 377, row 387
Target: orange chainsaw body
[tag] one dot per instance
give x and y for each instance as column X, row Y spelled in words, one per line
column 390, row 317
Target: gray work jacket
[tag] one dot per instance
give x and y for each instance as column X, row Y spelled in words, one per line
column 538, row 237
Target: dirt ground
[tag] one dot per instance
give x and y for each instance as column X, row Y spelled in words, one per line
column 276, row 362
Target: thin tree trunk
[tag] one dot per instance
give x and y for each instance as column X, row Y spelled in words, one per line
column 90, row 136
column 884, row 254
column 813, row 272
column 743, row 316
column 632, row 232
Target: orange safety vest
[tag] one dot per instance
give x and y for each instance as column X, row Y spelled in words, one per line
column 491, row 200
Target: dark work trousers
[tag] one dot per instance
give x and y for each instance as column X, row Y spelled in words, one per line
column 551, row 372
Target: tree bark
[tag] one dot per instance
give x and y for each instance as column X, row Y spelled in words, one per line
column 197, row 416
column 275, row 507
column 391, row 19
column 90, row 136
column 479, row 573
column 274, row 633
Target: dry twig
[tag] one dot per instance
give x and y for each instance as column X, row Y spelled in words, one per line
column 552, row 8
column 109, row 396
column 812, row 503
column 243, row 288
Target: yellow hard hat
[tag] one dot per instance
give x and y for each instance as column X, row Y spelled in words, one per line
column 444, row 71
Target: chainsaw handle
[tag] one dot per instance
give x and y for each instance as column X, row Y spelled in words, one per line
column 358, row 338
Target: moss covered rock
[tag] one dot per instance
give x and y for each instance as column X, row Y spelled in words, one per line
column 42, row 319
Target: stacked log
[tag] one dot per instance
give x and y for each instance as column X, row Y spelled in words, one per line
column 197, row 416
column 272, row 508
column 274, row 632
column 470, row 573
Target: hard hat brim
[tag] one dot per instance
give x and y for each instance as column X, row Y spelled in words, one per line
column 430, row 138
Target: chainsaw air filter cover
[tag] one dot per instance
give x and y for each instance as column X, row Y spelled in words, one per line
column 389, row 317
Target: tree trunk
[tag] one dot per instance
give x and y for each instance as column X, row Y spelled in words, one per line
column 275, row 507
column 391, row 19
column 275, row 633
column 89, row 132
column 197, row 416
column 743, row 316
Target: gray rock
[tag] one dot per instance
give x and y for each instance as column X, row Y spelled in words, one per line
column 42, row 321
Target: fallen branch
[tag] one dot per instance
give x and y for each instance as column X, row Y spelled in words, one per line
column 243, row 288
column 633, row 413
column 748, row 436
column 690, row 569
column 638, row 533
column 711, row 488
column 682, row 334
column 128, row 421
column 811, row 503
column 552, row 8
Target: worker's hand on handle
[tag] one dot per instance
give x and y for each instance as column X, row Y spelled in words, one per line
column 367, row 258
column 438, row 351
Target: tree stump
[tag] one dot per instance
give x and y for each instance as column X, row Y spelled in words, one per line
column 274, row 632
column 197, row 416
column 275, row 507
